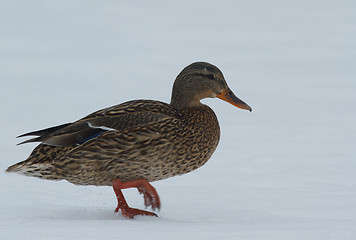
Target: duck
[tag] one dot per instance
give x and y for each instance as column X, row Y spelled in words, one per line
column 137, row 142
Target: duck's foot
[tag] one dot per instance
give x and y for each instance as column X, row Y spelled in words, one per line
column 132, row 212
column 144, row 187
column 151, row 197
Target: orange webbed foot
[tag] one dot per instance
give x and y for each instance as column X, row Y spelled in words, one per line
column 150, row 196
column 132, row 212
column 151, row 199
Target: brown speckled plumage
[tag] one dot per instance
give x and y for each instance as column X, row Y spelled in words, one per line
column 141, row 139
column 177, row 143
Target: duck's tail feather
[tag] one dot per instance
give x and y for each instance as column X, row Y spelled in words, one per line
column 39, row 170
column 40, row 163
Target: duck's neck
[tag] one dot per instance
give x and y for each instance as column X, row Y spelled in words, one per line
column 180, row 101
column 187, row 98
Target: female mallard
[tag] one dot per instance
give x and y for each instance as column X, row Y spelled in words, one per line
column 137, row 142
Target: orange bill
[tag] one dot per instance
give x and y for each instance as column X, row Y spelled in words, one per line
column 228, row 96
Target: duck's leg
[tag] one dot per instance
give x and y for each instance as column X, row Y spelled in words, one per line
column 149, row 192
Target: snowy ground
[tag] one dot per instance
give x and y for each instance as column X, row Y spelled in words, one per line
column 284, row 171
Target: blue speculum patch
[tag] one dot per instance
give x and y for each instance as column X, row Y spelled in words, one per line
column 91, row 137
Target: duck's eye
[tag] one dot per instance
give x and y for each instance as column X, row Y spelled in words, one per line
column 211, row 76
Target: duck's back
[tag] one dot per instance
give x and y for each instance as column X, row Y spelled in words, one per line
column 137, row 139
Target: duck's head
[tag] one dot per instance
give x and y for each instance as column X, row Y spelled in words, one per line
column 202, row 80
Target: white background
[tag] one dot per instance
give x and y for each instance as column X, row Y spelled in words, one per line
column 284, row 171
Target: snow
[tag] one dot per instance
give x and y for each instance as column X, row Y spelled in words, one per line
column 284, row 171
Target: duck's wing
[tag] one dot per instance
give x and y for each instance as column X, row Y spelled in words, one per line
column 116, row 118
